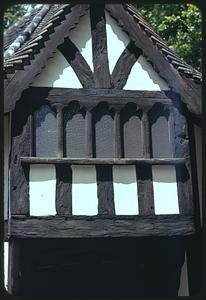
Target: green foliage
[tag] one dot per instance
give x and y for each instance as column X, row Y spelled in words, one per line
column 13, row 13
column 179, row 25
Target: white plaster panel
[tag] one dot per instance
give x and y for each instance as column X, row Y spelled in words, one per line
column 42, row 190
column 57, row 73
column 143, row 77
column 125, row 190
column 6, row 259
column 117, row 40
column 6, row 164
column 81, row 37
column 184, row 287
column 198, row 144
column 84, row 190
column 165, row 190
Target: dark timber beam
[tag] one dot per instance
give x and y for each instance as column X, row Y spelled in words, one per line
column 105, row 190
column 127, row 226
column 104, row 161
column 124, row 65
column 77, row 62
column 63, row 189
column 95, row 96
column 99, row 46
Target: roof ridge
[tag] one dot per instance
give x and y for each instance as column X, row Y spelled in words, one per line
column 26, row 33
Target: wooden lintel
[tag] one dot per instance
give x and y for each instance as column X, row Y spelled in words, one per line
column 103, row 161
column 129, row 226
column 86, row 97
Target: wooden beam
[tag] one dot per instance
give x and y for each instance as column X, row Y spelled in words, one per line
column 145, row 190
column 63, row 189
column 95, row 96
column 99, row 46
column 124, row 65
column 105, row 190
column 103, row 161
column 127, row 226
column 77, row 62
column 14, row 272
column 21, row 137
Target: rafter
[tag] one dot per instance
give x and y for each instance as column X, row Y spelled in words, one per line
column 77, row 62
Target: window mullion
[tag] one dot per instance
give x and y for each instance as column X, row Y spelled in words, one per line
column 60, row 130
column 144, row 172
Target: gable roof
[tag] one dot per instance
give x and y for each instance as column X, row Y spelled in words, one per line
column 49, row 25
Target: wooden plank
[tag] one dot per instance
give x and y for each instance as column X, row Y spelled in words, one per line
column 73, row 227
column 145, row 190
column 77, row 62
column 63, row 189
column 105, row 190
column 19, row 182
column 103, row 161
column 95, row 96
column 99, row 46
column 124, row 65
column 146, row 134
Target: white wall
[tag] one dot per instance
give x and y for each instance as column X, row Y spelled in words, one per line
column 6, row 259
column 125, row 190
column 58, row 72
column 42, row 190
column 165, row 190
column 84, row 191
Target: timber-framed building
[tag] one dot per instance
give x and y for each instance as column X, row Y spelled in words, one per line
column 102, row 156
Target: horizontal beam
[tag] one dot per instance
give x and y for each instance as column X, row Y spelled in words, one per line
column 95, row 96
column 82, row 227
column 103, row 161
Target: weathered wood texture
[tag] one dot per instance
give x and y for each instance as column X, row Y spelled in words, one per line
column 99, row 46
column 74, row 227
column 19, row 182
column 145, row 190
column 104, row 161
column 131, row 132
column 14, row 272
column 124, row 65
column 45, row 129
column 74, row 131
column 103, row 125
column 77, row 62
column 161, row 141
column 63, row 189
column 23, row 78
column 183, row 173
column 105, row 190
column 95, row 96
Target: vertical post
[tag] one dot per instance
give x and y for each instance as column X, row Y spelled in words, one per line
column 145, row 134
column 60, row 129
column 144, row 172
column 117, row 133
column 14, row 267
column 88, row 133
